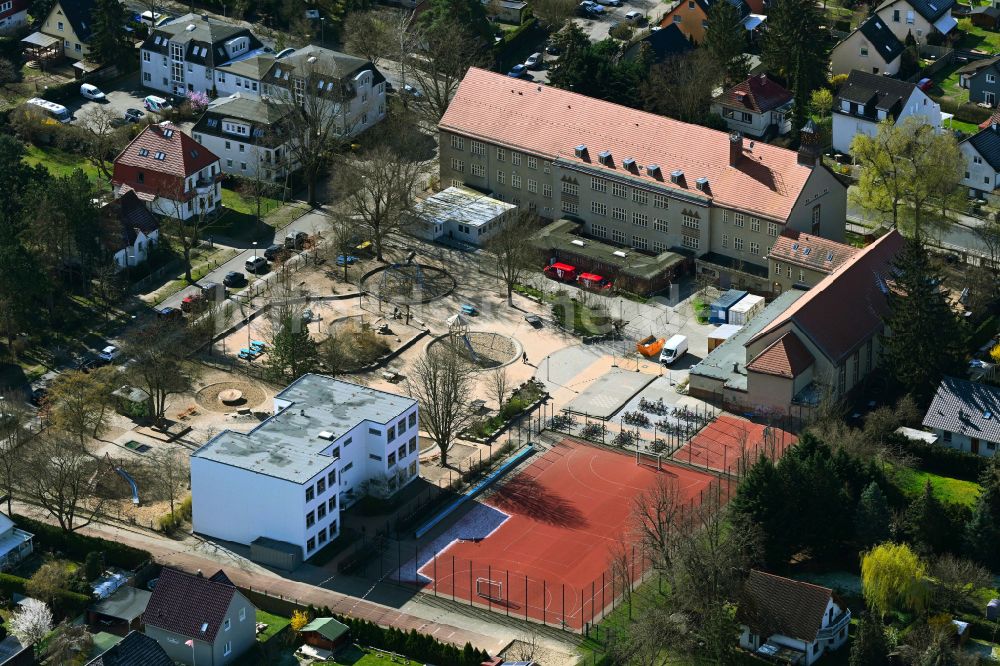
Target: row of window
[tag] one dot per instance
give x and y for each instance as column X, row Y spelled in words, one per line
column 321, row 485
column 777, row 272
column 638, row 242
column 312, row 543
column 738, row 244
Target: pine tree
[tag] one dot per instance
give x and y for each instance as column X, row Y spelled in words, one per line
column 726, row 41
column 794, row 49
column 109, row 41
column 293, row 353
column 872, row 518
column 924, row 339
column 979, row 542
column 927, row 523
column 870, row 646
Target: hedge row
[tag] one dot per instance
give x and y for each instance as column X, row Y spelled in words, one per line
column 966, row 112
column 65, row 604
column 945, row 461
column 76, row 546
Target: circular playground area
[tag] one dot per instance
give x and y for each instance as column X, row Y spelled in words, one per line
column 484, row 350
column 408, row 284
column 228, row 396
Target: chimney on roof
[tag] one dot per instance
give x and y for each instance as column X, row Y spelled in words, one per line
column 735, row 148
column 199, row 574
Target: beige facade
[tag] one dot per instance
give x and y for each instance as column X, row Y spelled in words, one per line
column 58, row 25
column 236, row 636
column 785, row 275
column 857, row 52
column 635, row 212
column 902, row 19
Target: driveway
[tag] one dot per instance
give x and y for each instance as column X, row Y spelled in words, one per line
column 122, row 94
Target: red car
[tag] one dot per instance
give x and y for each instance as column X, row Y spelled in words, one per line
column 925, row 84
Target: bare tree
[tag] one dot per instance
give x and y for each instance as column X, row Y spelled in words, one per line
column 657, row 515
column 681, row 87
column 370, row 34
column 341, row 240
column 69, row 644
column 171, row 474
column 80, row 404
column 554, row 13
column 379, row 186
column 103, row 137
column 185, row 229
column 512, row 251
column 56, row 474
column 444, row 54
column 159, row 350
column 523, row 648
column 498, row 385
column 441, row 382
column 622, row 567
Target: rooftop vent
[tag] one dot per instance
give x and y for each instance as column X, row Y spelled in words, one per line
column 578, row 243
column 190, row 27
column 677, row 177
column 605, row 158
column 620, row 253
column 204, row 627
column 653, row 171
column 581, row 151
column 311, row 59
column 327, row 435
column 702, row 184
column 629, row 164
column 795, row 247
column 806, row 251
column 987, row 415
column 829, row 256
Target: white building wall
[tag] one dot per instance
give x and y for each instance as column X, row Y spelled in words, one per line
column 234, row 155
column 960, row 442
column 919, row 105
column 979, row 175
column 14, row 22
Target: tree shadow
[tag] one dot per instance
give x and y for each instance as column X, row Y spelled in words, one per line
column 527, row 497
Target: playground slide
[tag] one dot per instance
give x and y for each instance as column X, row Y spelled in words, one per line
column 128, row 478
column 475, row 359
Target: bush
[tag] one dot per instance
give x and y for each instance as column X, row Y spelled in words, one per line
column 11, row 585
column 946, row 462
column 76, row 546
column 422, row 647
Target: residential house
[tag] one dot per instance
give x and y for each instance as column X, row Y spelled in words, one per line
column 182, row 56
column 800, row 260
column 917, row 17
column 756, row 107
column 328, row 443
column 246, row 134
column 15, row 543
column 326, row 633
column 986, row 17
column 13, row 16
column 630, row 178
column 691, row 16
column 982, row 162
column 510, row 12
column 71, row 22
column 198, row 620
column 790, row 621
column 872, row 47
column 15, row 653
column 133, row 230
column 982, row 78
column 170, row 172
column 964, row 415
column 353, row 87
column 460, row 215
column 136, row 649
column 865, row 100
column 242, row 77
column 664, row 43
column 806, row 345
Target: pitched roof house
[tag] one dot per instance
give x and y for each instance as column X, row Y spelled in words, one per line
column 865, row 100
column 917, row 17
column 136, row 649
column 71, row 22
column 133, row 230
column 14, row 16
column 785, row 618
column 246, row 134
column 982, row 78
column 664, row 43
column 801, row 260
column 966, row 416
column 691, row 16
column 982, row 161
column 15, row 543
column 200, row 620
column 872, row 47
column 170, row 172
column 757, row 106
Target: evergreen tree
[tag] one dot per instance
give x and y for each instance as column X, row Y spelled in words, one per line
column 292, row 354
column 927, row 523
column 989, row 485
column 109, row 42
column 979, row 542
column 872, row 518
column 726, row 41
column 794, row 49
column 924, row 339
column 469, row 13
column 870, row 646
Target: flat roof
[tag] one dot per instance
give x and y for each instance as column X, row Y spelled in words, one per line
column 561, row 234
column 719, row 363
column 287, row 445
column 462, row 206
column 127, row 603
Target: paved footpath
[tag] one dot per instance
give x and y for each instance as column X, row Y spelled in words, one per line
column 184, row 554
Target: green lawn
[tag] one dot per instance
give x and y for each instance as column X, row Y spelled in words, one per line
column 355, row 656
column 275, row 623
column 912, row 481
column 59, row 162
column 978, row 38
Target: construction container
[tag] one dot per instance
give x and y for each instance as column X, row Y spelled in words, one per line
column 746, row 309
column 721, row 334
column 718, row 312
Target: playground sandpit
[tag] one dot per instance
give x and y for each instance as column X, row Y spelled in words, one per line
column 489, row 350
column 227, row 396
column 408, row 284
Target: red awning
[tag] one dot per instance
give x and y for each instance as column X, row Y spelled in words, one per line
column 590, row 277
column 562, row 267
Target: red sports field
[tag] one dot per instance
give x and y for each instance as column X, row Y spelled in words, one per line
column 730, row 444
column 550, row 559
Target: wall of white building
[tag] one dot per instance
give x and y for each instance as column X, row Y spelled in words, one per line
column 960, row 442
column 845, row 127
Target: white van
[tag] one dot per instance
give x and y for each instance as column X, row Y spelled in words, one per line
column 673, row 349
column 155, row 104
column 53, row 110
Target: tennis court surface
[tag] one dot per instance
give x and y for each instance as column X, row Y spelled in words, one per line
column 732, row 444
column 542, row 545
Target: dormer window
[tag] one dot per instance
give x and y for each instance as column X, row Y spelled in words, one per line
column 236, row 128
column 143, row 152
column 160, row 155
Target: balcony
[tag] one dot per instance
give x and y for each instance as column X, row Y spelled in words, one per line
column 204, row 186
column 831, row 630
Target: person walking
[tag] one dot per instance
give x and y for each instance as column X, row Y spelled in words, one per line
column 524, row 357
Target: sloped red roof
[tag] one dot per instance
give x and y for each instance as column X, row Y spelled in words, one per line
column 182, row 155
column 847, row 306
column 785, row 357
column 775, row 605
column 550, row 122
column 815, row 252
column 183, row 603
column 757, row 93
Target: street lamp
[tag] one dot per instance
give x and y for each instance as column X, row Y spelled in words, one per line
column 322, row 29
column 254, row 251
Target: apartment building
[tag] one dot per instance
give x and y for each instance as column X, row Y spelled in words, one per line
column 328, row 444
column 246, row 135
column 636, row 179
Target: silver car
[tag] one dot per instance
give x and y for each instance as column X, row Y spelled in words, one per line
column 534, row 61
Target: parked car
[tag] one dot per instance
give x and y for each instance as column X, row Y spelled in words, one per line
column 256, row 265
column 38, row 395
column 155, row 104
column 585, row 9
column 534, row 320
column 170, row 314
column 109, row 353
column 193, row 302
column 534, row 61
column 596, row 9
column 410, row 91
column 925, row 84
column 133, row 115
column 610, row 3
column 92, row 92
column 346, row 259
column 517, row 72
column 296, row 240
column 274, row 252
column 213, row 291
column 234, row 279
column 552, row 49
column 634, row 16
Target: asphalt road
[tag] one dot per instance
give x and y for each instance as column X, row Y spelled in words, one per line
column 960, row 236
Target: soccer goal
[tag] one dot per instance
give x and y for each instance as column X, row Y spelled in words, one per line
column 647, row 459
column 489, row 589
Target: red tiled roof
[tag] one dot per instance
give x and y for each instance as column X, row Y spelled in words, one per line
column 182, row 155
column 183, row 603
column 815, row 252
column 758, row 93
column 774, row 605
column 847, row 306
column 551, row 122
column 995, row 118
column 785, row 357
